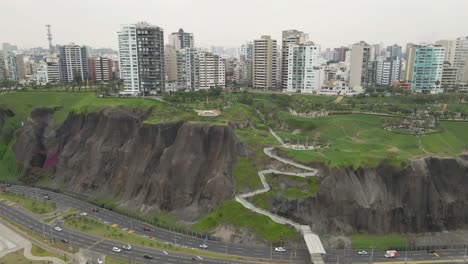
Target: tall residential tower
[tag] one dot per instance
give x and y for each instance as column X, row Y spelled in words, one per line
column 264, row 69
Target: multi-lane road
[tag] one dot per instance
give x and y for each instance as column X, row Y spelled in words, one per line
column 249, row 251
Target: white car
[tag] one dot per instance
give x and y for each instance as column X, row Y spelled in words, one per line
column 204, row 246
column 58, row 229
column 362, row 252
column 99, row 261
column 84, row 214
column 280, row 249
column 127, row 247
column 116, row 249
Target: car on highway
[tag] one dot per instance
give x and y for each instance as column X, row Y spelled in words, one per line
column 363, row 252
column 65, row 240
column 116, row 249
column 431, row 251
column 84, row 214
column 391, row 254
column 204, row 246
column 95, row 210
column 99, row 261
column 57, row 228
column 146, row 228
column 280, row 249
column 46, row 197
column 127, row 247
column 147, row 256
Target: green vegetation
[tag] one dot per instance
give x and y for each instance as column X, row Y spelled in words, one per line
column 245, row 173
column 111, row 260
column 17, row 257
column 233, row 213
column 92, row 227
column 379, row 242
column 34, row 206
column 40, row 252
column 65, row 213
column 286, row 187
column 358, row 141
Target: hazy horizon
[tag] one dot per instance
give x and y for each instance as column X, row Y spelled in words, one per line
column 330, row 23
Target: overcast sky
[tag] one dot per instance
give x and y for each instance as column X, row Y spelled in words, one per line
column 330, row 23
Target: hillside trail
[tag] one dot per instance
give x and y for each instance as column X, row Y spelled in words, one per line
column 312, row 240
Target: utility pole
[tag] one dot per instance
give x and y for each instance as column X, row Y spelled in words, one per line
column 406, row 252
column 464, row 256
column 226, row 247
column 271, row 251
column 372, row 256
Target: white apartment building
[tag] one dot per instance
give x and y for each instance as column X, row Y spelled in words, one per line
column 450, row 46
column 387, row 70
column 48, row 72
column 360, row 72
column 73, row 63
column 128, row 59
column 304, row 71
column 289, row 37
column 211, row 69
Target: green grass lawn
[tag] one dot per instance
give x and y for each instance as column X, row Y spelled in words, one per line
column 40, row 252
column 17, row 257
column 53, row 218
column 233, row 213
column 89, row 226
column 34, row 206
column 358, row 141
column 111, row 260
column 379, row 242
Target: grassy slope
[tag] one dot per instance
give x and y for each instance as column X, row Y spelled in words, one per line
column 40, row 252
column 17, row 257
column 379, row 242
column 233, row 213
column 358, row 141
column 34, row 206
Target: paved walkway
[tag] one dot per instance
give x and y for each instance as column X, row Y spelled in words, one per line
column 290, row 146
column 313, row 242
column 20, row 242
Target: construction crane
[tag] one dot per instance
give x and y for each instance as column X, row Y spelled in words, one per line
column 49, row 37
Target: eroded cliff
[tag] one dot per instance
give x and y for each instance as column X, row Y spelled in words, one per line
column 430, row 195
column 181, row 167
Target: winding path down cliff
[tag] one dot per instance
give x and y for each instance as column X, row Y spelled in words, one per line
column 314, row 245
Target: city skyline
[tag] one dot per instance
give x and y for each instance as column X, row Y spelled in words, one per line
column 331, row 23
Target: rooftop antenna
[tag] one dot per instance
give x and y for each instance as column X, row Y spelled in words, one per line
column 49, row 37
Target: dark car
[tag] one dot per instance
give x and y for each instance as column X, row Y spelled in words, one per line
column 65, row 240
column 8, row 185
column 146, row 228
column 432, row 251
column 95, row 210
column 147, row 256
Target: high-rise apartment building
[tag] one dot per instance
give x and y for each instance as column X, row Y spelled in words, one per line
column 73, row 63
column 2, row 67
column 181, row 40
column 141, row 54
column 427, row 68
column 246, row 51
column 340, row 54
column 211, row 68
column 264, row 69
column 394, row 52
column 449, row 76
column 188, row 76
column 450, row 46
column 303, row 68
column 361, row 68
column 461, row 59
column 11, row 69
column 48, row 72
column 100, row 69
column 170, row 63
column 289, row 37
column 20, row 67
column 387, row 70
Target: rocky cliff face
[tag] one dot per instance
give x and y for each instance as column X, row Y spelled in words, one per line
column 181, row 167
column 430, row 195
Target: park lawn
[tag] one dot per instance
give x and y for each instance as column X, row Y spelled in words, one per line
column 111, row 260
column 384, row 242
column 358, row 141
column 40, row 252
column 34, row 206
column 92, row 227
column 17, row 257
column 233, row 213
column 245, row 173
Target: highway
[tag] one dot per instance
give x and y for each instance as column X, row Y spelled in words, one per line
column 126, row 223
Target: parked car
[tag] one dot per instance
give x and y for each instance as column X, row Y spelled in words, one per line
column 280, row 249
column 116, row 249
column 57, row 228
column 148, row 256
column 146, row 228
column 363, row 252
column 65, row 241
